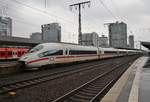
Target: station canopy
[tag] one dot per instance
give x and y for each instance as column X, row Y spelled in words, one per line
column 146, row 44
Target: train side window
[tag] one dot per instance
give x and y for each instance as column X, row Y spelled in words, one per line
column 77, row 52
column 19, row 53
column 2, row 53
column 51, row 53
column 36, row 48
column 110, row 52
column 10, row 53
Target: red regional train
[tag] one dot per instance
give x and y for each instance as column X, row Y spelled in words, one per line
column 12, row 53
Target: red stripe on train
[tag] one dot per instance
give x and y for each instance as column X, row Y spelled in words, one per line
column 58, row 57
column 38, row 60
column 74, row 56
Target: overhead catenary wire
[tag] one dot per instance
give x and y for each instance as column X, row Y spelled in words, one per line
column 88, row 22
column 42, row 11
column 109, row 11
column 52, row 15
column 123, row 18
column 48, row 13
column 17, row 19
column 45, row 12
column 112, row 14
column 23, row 20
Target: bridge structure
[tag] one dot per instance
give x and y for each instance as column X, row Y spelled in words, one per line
column 18, row 41
column 146, row 44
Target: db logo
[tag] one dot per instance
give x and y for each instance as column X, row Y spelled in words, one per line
column 51, row 58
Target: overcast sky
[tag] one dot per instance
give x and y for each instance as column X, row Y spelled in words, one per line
column 29, row 15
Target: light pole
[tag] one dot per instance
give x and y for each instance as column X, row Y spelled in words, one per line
column 79, row 5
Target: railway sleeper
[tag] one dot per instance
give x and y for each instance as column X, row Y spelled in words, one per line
column 72, row 99
column 95, row 86
column 13, row 86
column 79, row 99
column 26, row 83
column 91, row 88
column 89, row 91
column 85, row 97
column 87, row 94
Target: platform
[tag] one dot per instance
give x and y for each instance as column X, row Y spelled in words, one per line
column 8, row 67
column 133, row 86
column 5, row 64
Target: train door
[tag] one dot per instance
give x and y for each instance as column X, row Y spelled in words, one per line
column 99, row 53
column 66, row 55
column 67, row 52
column 14, row 54
column 102, row 54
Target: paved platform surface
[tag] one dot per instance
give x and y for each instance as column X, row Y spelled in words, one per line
column 6, row 64
column 144, row 91
column 133, row 86
column 8, row 67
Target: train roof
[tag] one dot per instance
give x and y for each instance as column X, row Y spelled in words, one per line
column 76, row 46
column 68, row 46
column 108, row 49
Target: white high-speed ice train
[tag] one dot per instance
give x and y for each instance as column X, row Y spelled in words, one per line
column 54, row 53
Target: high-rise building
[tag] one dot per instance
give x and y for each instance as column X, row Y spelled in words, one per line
column 90, row 39
column 118, row 34
column 51, row 32
column 103, row 41
column 131, row 41
column 5, row 26
column 36, row 36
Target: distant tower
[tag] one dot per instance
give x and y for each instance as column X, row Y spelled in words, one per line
column 103, row 41
column 51, row 32
column 118, row 34
column 90, row 39
column 5, row 26
column 131, row 41
column 36, row 36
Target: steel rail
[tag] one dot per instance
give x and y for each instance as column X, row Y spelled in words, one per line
column 69, row 97
column 24, row 83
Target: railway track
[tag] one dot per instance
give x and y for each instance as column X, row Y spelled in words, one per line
column 96, row 88
column 33, row 81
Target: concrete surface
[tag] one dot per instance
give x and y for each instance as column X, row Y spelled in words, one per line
column 144, row 92
column 134, row 94
column 8, row 68
column 124, row 95
column 126, row 89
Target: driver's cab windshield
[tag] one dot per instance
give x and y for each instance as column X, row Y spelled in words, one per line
column 36, row 48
